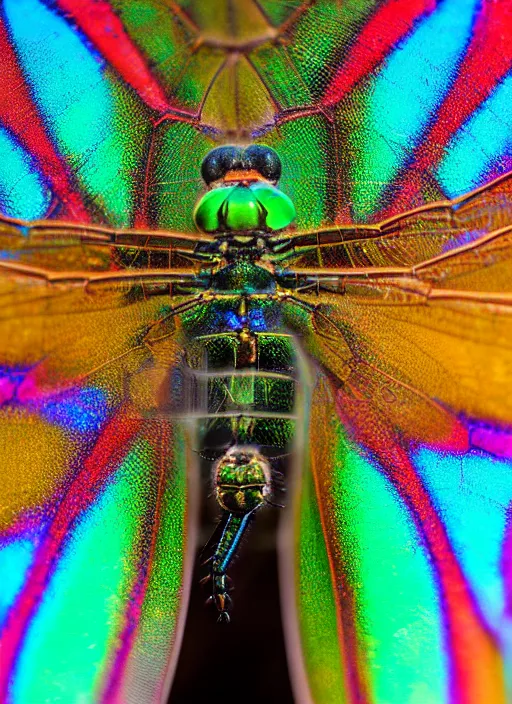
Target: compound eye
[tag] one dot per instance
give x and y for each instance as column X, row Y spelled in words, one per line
column 264, row 160
column 219, row 161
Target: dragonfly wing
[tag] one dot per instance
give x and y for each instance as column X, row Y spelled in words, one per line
column 405, row 511
column 406, row 239
column 52, row 246
column 97, row 491
column 385, row 109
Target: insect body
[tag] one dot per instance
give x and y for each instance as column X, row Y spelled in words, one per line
column 242, row 485
column 241, row 366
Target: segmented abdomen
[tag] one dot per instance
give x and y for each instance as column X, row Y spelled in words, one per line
column 242, row 390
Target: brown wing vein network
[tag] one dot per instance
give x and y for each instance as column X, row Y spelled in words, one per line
column 59, row 251
column 440, row 332
column 235, row 51
column 409, row 238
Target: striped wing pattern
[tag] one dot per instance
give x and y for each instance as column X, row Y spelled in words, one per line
column 394, row 128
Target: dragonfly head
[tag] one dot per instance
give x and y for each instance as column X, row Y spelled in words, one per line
column 243, row 195
column 242, row 479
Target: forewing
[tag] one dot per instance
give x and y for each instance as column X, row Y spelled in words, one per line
column 406, row 512
column 97, row 490
column 406, row 239
column 391, row 106
column 68, row 251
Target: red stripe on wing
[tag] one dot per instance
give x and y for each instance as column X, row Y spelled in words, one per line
column 390, row 23
column 99, row 465
column 466, row 635
column 105, row 30
column 19, row 115
column 162, row 435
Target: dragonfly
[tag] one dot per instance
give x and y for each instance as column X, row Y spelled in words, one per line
column 275, row 238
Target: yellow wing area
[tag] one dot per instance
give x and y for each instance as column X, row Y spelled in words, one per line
column 406, row 239
column 67, row 247
column 110, row 335
column 425, row 343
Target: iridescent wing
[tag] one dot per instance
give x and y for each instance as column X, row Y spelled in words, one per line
column 402, row 528
column 98, row 477
column 401, row 531
column 392, row 105
column 406, row 239
column 98, row 509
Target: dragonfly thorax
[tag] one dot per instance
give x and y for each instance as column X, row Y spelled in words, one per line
column 243, row 197
column 242, row 479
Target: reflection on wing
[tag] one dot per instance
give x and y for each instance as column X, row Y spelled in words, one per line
column 97, row 498
column 406, row 239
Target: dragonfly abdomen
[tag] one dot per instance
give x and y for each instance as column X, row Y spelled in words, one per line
column 243, row 482
column 243, row 389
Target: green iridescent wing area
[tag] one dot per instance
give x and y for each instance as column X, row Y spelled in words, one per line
column 401, row 528
column 98, row 508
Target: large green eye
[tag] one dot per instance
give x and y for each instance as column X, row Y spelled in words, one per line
column 280, row 211
column 206, row 214
column 240, row 208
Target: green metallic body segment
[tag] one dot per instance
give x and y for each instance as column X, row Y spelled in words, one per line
column 242, row 479
column 241, row 391
column 235, row 526
column 228, row 543
column 251, row 391
column 245, row 277
column 254, row 376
